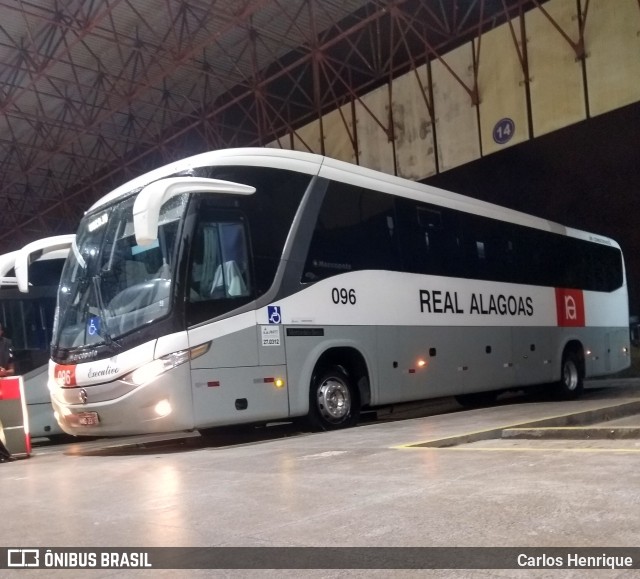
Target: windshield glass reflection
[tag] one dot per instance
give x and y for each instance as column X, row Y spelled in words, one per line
column 110, row 285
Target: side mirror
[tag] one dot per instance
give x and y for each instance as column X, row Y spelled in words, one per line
column 7, row 262
column 47, row 248
column 146, row 209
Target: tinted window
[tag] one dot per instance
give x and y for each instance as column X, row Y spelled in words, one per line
column 359, row 229
column 355, row 230
column 430, row 238
column 220, row 268
column 269, row 212
column 27, row 322
column 45, row 272
column 550, row 259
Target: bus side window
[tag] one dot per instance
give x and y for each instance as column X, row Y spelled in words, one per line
column 220, row 262
column 494, row 250
column 433, row 241
column 607, row 263
column 355, row 230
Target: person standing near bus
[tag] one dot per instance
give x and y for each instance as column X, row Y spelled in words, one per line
column 7, row 366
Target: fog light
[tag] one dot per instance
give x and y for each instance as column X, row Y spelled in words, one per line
column 163, row 408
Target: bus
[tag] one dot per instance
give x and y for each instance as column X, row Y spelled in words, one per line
column 26, row 315
column 252, row 285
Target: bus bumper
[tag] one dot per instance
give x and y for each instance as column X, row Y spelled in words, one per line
column 162, row 405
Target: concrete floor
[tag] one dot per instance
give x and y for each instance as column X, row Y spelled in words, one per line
column 368, row 486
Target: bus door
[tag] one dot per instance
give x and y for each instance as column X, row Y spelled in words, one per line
column 241, row 377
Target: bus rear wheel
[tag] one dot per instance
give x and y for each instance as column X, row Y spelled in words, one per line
column 571, row 382
column 333, row 400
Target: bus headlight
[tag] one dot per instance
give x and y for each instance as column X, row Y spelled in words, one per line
column 153, row 369
column 163, row 408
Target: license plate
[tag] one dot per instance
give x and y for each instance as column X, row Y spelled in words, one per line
column 88, row 418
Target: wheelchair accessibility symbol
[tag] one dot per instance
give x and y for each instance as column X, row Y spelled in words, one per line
column 93, row 326
column 274, row 314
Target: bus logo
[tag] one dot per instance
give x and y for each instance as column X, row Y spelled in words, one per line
column 570, row 307
column 273, row 312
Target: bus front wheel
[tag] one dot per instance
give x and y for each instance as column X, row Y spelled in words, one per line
column 333, row 400
column 571, row 382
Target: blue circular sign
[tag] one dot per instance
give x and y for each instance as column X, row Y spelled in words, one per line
column 503, row 131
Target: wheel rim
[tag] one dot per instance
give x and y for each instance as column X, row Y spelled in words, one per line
column 334, row 400
column 570, row 375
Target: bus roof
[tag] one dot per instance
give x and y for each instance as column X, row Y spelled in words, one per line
column 314, row 164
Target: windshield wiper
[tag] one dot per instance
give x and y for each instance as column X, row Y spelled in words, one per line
column 104, row 334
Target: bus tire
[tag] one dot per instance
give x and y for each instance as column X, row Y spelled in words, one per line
column 333, row 400
column 571, row 383
column 476, row 399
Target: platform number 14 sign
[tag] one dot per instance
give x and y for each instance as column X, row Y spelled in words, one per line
column 503, row 131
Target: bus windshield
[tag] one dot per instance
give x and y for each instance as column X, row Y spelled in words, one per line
column 110, row 285
column 27, row 318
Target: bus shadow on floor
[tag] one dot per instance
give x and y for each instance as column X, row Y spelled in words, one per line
column 241, row 435
column 183, row 442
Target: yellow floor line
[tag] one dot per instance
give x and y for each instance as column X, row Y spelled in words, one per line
column 516, row 449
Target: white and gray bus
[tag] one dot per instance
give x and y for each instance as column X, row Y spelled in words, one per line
column 26, row 314
column 250, row 285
